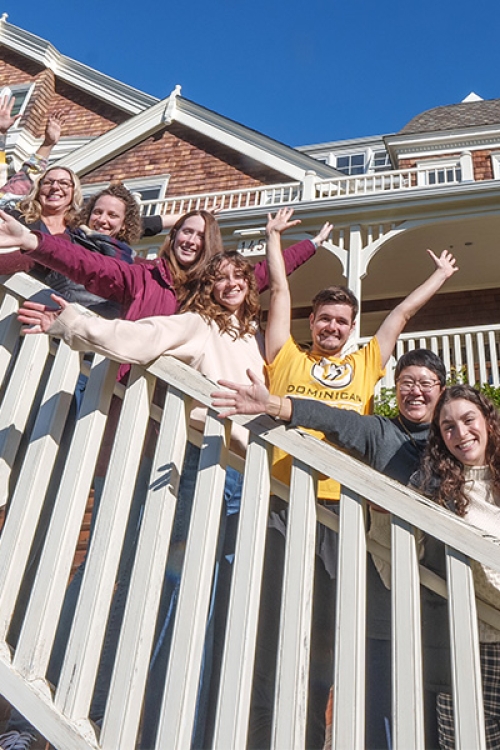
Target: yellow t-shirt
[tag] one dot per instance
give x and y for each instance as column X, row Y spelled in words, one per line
column 345, row 382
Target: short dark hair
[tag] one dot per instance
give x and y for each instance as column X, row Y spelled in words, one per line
column 422, row 358
column 336, row 295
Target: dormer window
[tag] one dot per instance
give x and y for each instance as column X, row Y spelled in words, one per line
column 380, row 161
column 352, row 163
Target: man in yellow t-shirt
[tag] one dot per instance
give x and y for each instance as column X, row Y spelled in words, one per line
column 322, row 372
column 346, row 381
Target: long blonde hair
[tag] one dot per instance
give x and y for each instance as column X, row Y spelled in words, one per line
column 31, row 208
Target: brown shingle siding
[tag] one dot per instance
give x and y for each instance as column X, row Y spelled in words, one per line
column 195, row 164
column 483, row 168
column 84, row 114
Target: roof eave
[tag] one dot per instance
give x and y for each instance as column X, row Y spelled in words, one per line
column 404, row 144
column 77, row 74
column 255, row 145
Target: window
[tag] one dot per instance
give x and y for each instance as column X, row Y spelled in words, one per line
column 149, row 188
column 439, row 172
column 381, row 161
column 444, row 175
column 495, row 162
column 21, row 92
column 352, row 163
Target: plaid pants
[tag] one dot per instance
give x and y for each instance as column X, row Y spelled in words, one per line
column 490, row 671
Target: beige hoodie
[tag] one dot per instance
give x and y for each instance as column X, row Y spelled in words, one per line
column 186, row 337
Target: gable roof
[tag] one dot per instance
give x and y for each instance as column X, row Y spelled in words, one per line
column 175, row 108
column 149, row 115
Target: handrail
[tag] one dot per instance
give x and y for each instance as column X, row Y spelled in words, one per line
column 62, row 714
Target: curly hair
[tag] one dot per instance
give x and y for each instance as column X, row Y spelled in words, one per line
column 31, row 208
column 203, row 300
column 442, row 476
column 186, row 280
column 131, row 229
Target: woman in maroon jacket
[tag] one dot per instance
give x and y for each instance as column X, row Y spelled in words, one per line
column 143, row 289
column 148, row 288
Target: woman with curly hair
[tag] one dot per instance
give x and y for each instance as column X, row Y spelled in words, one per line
column 461, row 471
column 114, row 212
column 218, row 335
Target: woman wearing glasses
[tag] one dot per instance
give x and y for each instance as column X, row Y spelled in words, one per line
column 53, row 206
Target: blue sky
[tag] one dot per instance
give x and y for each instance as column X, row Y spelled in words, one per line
column 301, row 72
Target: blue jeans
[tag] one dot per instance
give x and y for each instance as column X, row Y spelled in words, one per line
column 218, row 601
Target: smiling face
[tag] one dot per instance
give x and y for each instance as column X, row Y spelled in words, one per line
column 331, row 326
column 189, row 241
column 55, row 191
column 464, row 431
column 417, row 392
column 108, row 215
column 230, row 286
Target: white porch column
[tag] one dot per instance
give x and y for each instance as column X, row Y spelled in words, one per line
column 308, row 185
column 466, row 166
column 354, row 268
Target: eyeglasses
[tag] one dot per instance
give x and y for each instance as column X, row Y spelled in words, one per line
column 425, row 386
column 49, row 182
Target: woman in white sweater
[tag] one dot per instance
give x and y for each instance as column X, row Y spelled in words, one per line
column 218, row 335
column 461, row 471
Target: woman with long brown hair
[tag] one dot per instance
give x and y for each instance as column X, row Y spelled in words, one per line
column 461, row 471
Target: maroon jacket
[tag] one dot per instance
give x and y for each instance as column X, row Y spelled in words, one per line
column 142, row 289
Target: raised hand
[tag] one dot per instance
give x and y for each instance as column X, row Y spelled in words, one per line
column 6, row 118
column 55, row 122
column 323, row 234
column 445, row 263
column 39, row 317
column 280, row 221
column 241, row 399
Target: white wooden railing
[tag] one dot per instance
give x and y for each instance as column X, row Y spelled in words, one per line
column 470, row 354
column 312, row 189
column 37, row 383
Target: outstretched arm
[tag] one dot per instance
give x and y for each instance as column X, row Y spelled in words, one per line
column 14, row 235
column 278, row 322
column 395, row 322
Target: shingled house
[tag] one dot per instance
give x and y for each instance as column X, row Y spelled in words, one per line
column 435, row 183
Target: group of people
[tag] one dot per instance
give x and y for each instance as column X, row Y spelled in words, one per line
column 201, row 305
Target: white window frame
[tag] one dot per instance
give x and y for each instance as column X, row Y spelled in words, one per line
column 13, row 90
column 134, row 185
column 354, row 152
column 495, row 163
column 371, row 161
column 438, row 164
